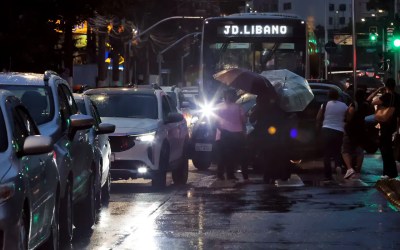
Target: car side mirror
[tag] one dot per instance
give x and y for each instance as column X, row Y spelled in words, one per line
column 174, row 117
column 79, row 122
column 37, row 144
column 105, row 128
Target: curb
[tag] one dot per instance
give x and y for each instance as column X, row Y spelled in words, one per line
column 391, row 189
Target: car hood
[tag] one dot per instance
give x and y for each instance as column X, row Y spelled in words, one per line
column 131, row 125
column 5, row 166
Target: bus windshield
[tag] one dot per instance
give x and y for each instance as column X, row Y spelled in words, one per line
column 256, row 42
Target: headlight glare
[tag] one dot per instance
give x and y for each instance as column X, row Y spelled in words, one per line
column 149, row 137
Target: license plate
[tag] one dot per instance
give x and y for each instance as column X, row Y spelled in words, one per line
column 203, row 147
column 112, row 157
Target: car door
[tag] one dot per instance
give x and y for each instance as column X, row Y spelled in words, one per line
column 39, row 179
column 102, row 142
column 80, row 149
column 173, row 129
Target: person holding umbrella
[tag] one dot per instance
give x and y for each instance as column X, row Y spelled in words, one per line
column 271, row 134
column 230, row 124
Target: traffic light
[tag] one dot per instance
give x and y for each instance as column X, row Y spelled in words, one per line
column 396, row 42
column 373, row 37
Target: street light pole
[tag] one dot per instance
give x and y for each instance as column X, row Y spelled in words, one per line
column 160, row 57
column 354, row 49
column 162, row 21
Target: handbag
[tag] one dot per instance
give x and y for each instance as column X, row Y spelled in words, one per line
column 383, row 114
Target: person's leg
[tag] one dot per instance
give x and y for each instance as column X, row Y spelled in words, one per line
column 348, row 152
column 359, row 160
column 231, row 155
column 220, row 160
column 389, row 163
column 328, row 152
column 337, row 142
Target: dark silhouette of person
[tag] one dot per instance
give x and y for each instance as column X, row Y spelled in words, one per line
column 388, row 99
column 270, row 137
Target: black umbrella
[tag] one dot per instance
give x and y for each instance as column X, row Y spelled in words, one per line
column 246, row 80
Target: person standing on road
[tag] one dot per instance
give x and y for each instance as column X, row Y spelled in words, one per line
column 354, row 134
column 230, row 123
column 332, row 115
column 271, row 137
column 388, row 99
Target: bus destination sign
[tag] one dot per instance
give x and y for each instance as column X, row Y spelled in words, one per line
column 255, row 30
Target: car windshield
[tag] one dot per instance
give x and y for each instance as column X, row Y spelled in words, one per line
column 37, row 99
column 126, row 105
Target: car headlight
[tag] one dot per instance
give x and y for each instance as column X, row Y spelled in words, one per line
column 194, row 119
column 7, row 190
column 207, row 110
column 149, row 137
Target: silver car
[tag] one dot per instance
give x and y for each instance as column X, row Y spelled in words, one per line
column 102, row 149
column 29, row 180
column 49, row 100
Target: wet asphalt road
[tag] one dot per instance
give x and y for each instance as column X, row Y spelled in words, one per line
column 205, row 214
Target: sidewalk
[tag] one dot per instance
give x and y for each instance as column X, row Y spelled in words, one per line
column 312, row 171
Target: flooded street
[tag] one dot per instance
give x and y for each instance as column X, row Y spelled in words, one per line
column 206, row 214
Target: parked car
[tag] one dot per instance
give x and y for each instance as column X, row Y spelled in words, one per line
column 150, row 138
column 50, row 102
column 29, row 182
column 102, row 149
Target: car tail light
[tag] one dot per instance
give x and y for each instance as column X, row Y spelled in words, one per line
column 7, row 190
column 55, row 156
column 121, row 143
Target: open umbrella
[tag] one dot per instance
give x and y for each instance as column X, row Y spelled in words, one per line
column 246, row 80
column 293, row 90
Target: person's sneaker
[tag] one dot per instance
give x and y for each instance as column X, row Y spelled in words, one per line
column 350, row 172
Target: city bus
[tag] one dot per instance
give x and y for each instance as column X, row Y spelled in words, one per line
column 254, row 41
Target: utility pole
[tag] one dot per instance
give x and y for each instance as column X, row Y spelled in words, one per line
column 159, row 58
column 354, row 48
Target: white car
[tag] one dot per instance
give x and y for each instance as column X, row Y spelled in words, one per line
column 98, row 138
column 150, row 138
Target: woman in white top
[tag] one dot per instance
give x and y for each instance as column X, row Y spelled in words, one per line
column 333, row 114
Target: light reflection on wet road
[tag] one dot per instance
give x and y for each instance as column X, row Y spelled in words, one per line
column 244, row 216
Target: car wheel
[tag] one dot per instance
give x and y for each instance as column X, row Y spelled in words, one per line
column 66, row 215
column 105, row 190
column 180, row 174
column 23, row 225
column 159, row 177
column 85, row 211
column 52, row 242
column 201, row 164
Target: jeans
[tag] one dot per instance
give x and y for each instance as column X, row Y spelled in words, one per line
column 332, row 144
